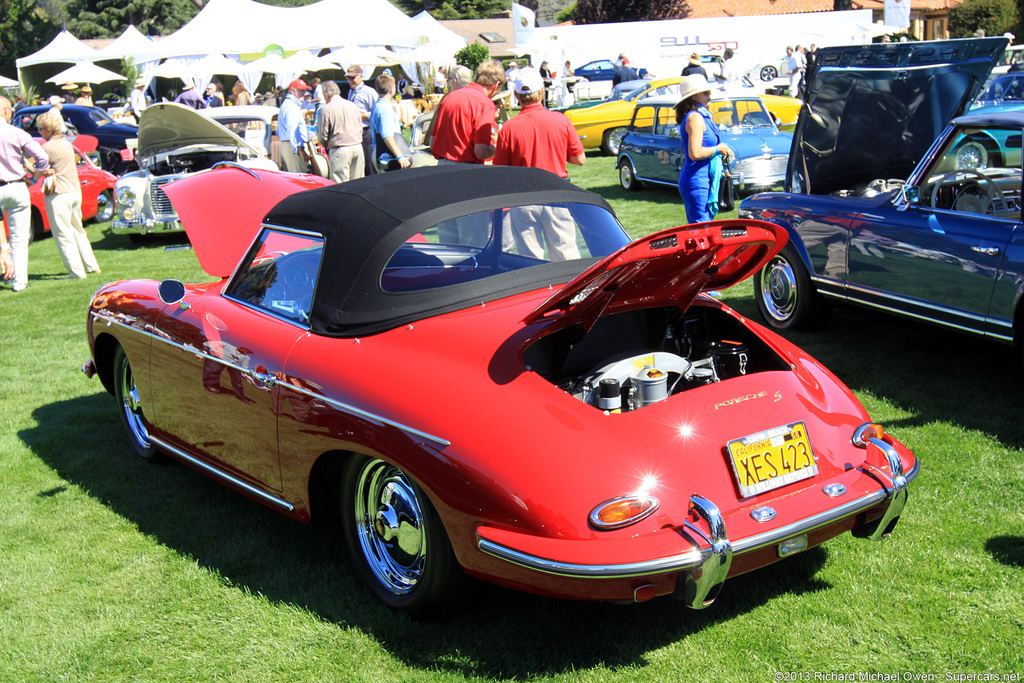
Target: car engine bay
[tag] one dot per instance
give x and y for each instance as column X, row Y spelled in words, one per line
column 634, row 359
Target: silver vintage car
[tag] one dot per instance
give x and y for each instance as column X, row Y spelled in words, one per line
column 176, row 141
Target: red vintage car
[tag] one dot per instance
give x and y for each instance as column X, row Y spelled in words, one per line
column 97, row 190
column 490, row 380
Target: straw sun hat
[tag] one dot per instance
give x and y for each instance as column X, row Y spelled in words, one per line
column 693, row 84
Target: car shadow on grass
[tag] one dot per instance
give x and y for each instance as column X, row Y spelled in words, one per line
column 503, row 633
column 930, row 373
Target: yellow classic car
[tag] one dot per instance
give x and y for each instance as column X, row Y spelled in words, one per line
column 602, row 126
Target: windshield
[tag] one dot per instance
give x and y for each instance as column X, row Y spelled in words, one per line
column 100, row 117
column 741, row 113
column 1005, row 88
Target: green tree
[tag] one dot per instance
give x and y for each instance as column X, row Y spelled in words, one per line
column 995, row 17
column 471, row 55
column 607, row 11
column 465, row 9
column 24, row 28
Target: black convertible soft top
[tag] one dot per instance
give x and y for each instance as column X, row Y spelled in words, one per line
column 365, row 221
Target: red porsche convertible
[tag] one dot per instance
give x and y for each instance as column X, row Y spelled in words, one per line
column 97, row 190
column 490, row 380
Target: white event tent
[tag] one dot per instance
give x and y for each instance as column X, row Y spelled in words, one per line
column 244, row 27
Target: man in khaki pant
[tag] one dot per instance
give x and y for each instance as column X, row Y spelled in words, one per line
column 339, row 129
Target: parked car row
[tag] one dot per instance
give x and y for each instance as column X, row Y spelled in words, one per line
column 97, row 189
column 604, row 125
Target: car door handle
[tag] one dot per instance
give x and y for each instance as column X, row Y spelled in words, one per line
column 988, row 251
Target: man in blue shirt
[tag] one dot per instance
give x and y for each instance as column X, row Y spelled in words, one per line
column 363, row 96
column 292, row 130
column 386, row 127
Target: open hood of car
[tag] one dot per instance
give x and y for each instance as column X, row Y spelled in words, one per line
column 222, row 209
column 667, row 268
column 872, row 111
column 167, row 125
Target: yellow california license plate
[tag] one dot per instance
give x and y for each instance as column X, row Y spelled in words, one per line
column 772, row 458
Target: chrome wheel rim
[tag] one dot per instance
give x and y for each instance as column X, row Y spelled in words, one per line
column 769, row 73
column 131, row 406
column 626, row 175
column 104, row 208
column 778, row 289
column 615, row 139
column 390, row 527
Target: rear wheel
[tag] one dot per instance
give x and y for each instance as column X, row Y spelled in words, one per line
column 627, row 176
column 129, row 409
column 786, row 298
column 396, row 541
column 769, row 73
column 612, row 140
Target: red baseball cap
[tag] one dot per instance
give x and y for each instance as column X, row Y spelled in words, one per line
column 298, row 84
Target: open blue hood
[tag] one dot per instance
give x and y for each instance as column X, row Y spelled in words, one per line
column 872, row 111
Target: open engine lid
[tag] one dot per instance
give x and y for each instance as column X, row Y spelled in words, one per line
column 222, row 209
column 167, row 125
column 666, row 268
column 872, row 111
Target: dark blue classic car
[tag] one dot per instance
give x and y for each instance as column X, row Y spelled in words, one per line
column 945, row 245
column 651, row 150
column 113, row 136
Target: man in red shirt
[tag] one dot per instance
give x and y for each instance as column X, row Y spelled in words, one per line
column 464, row 128
column 539, row 138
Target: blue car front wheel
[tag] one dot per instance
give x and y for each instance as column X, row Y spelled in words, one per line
column 786, row 297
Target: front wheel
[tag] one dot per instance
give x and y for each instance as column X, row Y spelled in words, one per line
column 627, row 176
column 396, row 541
column 129, row 409
column 769, row 73
column 613, row 140
column 786, row 297
column 104, row 207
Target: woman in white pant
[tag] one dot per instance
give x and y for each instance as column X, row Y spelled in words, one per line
column 63, row 194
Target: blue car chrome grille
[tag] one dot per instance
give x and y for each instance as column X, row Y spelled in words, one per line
column 759, row 167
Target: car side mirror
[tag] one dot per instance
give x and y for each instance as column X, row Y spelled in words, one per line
column 171, row 291
column 906, row 196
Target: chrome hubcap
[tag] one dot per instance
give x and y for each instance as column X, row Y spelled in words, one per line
column 104, row 208
column 778, row 289
column 626, row 175
column 615, row 139
column 390, row 526
column 132, row 407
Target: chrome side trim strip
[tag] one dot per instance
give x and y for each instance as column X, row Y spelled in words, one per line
column 442, row 443
column 834, row 294
column 223, row 476
column 692, row 559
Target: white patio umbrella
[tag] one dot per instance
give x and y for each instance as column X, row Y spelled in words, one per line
column 85, row 72
column 434, row 53
column 8, row 82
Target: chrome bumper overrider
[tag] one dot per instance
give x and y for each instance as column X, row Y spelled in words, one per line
column 708, row 565
column 145, row 226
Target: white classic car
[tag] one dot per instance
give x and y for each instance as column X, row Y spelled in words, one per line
column 176, row 141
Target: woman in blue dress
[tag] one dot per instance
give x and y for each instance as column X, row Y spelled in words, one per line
column 704, row 153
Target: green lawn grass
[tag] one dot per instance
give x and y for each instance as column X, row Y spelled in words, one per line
column 112, row 570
